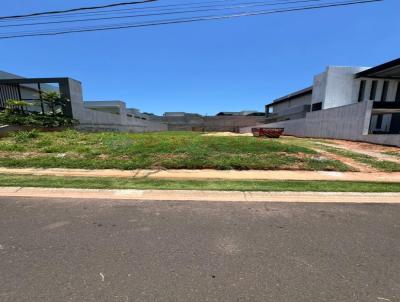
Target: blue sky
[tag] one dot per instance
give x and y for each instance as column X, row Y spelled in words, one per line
column 206, row 67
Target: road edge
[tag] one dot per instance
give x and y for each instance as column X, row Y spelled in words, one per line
column 205, row 196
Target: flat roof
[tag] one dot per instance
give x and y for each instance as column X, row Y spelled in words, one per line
column 387, row 70
column 293, row 95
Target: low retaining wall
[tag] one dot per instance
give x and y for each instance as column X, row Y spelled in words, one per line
column 92, row 120
column 349, row 122
column 209, row 123
column 148, row 127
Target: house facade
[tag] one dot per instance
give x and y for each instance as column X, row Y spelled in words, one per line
column 94, row 116
column 353, row 103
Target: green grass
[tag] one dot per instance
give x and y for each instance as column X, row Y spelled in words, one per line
column 381, row 165
column 165, row 184
column 170, row 150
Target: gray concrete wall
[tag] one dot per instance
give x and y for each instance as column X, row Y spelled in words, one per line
column 336, row 86
column 289, row 114
column 103, row 121
column 349, row 122
column 295, row 102
column 93, row 120
column 340, row 86
column 209, row 123
column 292, row 127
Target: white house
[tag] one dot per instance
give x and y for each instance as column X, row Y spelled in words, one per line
column 354, row 103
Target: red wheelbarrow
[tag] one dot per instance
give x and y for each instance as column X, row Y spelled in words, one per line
column 267, row 132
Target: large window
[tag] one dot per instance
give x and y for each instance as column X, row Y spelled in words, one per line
column 385, row 90
column 372, row 94
column 385, row 123
column 361, row 92
column 31, row 93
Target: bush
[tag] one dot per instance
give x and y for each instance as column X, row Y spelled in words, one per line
column 17, row 113
column 35, row 119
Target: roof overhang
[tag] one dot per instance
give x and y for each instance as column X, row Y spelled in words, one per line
column 389, row 70
column 32, row 80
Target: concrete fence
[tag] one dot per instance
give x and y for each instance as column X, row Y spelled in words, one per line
column 93, row 120
column 209, row 123
column 350, row 122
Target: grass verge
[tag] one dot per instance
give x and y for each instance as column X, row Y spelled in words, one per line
column 212, row 185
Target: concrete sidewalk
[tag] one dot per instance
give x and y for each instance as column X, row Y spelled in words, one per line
column 212, row 174
column 190, row 195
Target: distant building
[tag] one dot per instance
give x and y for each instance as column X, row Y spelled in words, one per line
column 241, row 113
column 180, row 114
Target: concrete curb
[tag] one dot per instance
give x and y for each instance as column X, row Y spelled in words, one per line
column 191, row 195
column 212, row 174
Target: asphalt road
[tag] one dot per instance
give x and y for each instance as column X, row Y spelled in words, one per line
column 82, row 250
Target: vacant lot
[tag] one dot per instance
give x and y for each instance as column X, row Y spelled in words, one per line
column 171, row 150
column 183, row 150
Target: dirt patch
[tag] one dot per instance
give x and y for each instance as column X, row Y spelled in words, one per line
column 227, row 134
column 377, row 151
column 212, row 174
column 359, row 167
column 24, row 155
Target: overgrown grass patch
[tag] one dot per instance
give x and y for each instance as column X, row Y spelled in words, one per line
column 212, row 185
column 170, row 150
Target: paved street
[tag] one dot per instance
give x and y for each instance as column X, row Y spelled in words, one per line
column 98, row 250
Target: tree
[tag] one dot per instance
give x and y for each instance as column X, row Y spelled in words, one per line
column 53, row 100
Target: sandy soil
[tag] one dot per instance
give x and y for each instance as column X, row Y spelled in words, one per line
column 373, row 150
column 359, row 167
column 227, row 134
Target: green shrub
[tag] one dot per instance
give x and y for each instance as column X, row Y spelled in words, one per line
column 35, row 119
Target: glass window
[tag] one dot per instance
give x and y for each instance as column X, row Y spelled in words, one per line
column 372, row 94
column 361, row 91
column 398, row 92
column 316, row 106
column 385, row 91
column 379, row 121
column 29, row 92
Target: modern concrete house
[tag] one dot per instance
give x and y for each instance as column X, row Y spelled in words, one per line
column 353, row 103
column 101, row 115
column 289, row 107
